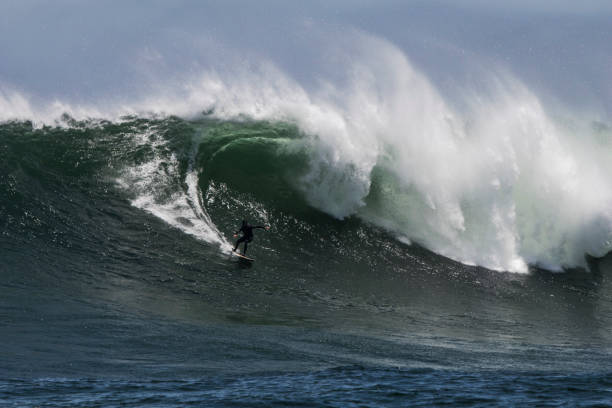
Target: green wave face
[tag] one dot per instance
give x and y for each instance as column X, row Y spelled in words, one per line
column 260, row 160
column 141, row 212
column 80, row 181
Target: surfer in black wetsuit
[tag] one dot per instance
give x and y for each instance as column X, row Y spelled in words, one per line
column 247, row 230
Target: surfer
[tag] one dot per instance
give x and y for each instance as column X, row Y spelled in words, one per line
column 247, row 230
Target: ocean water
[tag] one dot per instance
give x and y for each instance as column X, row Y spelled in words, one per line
column 118, row 288
column 438, row 190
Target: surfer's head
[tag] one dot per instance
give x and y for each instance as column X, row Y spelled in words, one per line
column 244, row 222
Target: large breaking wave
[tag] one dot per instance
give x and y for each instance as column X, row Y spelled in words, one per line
column 494, row 180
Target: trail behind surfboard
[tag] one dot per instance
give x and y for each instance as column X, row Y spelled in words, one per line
column 243, row 256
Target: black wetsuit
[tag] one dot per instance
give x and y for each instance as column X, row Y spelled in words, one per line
column 247, row 230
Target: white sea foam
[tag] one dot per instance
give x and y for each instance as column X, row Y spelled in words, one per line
column 155, row 189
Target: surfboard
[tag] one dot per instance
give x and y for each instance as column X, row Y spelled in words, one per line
column 243, row 257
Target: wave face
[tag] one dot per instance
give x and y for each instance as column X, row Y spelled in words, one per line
column 523, row 201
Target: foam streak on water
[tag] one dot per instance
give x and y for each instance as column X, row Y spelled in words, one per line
column 157, row 188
